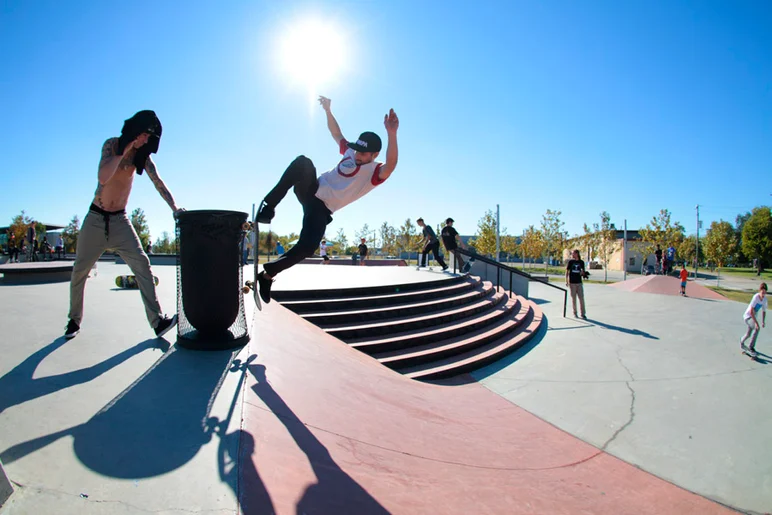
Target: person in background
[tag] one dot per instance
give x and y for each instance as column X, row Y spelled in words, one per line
column 452, row 240
column 430, row 244
column 362, row 252
column 59, row 247
column 13, row 249
column 575, row 272
column 323, row 252
column 684, row 276
column 758, row 303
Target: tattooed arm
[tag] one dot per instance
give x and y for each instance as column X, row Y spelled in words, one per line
column 110, row 160
column 159, row 184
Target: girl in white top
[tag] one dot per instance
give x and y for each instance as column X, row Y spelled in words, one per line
column 323, row 252
column 758, row 303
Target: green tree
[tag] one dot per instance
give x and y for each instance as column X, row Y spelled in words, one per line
column 341, row 242
column 553, row 234
column 139, row 221
column 720, row 243
column 366, row 233
column 687, row 249
column 532, row 244
column 739, row 223
column 509, row 245
column 660, row 231
column 408, row 237
column 70, row 234
column 165, row 244
column 266, row 242
column 288, row 241
column 484, row 241
column 19, row 225
column 607, row 240
column 388, row 239
column 757, row 237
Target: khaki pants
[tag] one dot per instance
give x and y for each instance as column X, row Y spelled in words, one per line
column 97, row 235
column 751, row 331
column 577, row 289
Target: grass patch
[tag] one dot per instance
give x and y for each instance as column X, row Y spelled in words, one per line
column 736, row 295
column 748, row 273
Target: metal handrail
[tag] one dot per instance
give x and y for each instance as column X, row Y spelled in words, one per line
column 502, row 267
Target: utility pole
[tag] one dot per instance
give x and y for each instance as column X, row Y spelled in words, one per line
column 497, row 233
column 624, row 254
column 697, row 241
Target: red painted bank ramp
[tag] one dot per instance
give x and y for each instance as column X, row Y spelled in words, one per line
column 326, row 429
column 665, row 285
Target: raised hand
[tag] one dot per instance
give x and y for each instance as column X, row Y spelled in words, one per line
column 325, row 103
column 390, row 121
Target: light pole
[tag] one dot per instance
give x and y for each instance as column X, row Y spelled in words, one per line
column 697, row 246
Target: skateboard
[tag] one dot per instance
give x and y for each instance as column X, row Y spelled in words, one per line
column 252, row 285
column 754, row 356
column 130, row 281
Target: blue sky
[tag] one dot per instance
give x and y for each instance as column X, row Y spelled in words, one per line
column 628, row 107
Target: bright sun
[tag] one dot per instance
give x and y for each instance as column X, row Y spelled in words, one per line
column 312, row 52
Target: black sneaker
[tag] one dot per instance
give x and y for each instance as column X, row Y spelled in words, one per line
column 72, row 330
column 467, row 267
column 444, row 268
column 164, row 324
column 265, row 287
column 265, row 214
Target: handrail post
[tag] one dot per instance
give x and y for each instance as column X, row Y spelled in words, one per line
column 565, row 301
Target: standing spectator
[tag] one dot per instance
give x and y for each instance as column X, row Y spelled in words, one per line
column 574, row 273
column 45, row 248
column 60, row 247
column 35, row 249
column 31, row 242
column 13, row 249
column 684, row 276
column 758, row 303
column 279, row 248
column 323, row 252
column 362, row 252
column 658, row 254
column 430, row 243
column 670, row 258
column 452, row 241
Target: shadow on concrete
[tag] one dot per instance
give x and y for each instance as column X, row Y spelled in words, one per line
column 632, row 332
column 334, row 492
column 18, row 386
column 539, row 301
column 156, row 425
column 516, row 355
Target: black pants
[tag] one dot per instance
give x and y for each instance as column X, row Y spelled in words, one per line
column 301, row 176
column 435, row 249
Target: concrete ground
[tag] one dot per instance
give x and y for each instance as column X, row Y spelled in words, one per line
column 102, row 423
column 658, row 381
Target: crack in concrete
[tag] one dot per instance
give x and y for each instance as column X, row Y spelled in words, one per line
column 631, row 417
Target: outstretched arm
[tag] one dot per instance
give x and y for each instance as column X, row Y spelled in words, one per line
column 332, row 123
column 391, row 122
column 152, row 172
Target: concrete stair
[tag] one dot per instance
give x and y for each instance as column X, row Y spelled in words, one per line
column 427, row 331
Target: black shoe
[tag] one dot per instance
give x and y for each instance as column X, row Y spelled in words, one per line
column 265, row 214
column 584, row 317
column 72, row 330
column 164, row 324
column 265, row 287
column 444, row 268
column 467, row 267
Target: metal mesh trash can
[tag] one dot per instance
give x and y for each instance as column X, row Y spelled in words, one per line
column 210, row 303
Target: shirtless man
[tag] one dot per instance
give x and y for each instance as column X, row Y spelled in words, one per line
column 106, row 225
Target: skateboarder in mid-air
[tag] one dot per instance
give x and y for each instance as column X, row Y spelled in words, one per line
column 106, row 225
column 356, row 174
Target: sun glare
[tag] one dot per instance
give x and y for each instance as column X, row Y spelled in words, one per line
column 312, row 52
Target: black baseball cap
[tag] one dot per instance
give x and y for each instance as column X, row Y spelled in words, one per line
column 367, row 142
column 449, row 221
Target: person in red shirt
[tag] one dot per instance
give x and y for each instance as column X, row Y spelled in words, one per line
column 684, row 276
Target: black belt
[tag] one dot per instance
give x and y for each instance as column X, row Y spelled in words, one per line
column 106, row 216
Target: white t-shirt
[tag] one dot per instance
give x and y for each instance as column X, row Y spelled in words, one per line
column 756, row 305
column 322, row 249
column 347, row 182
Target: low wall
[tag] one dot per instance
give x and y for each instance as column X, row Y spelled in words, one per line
column 350, row 262
column 155, row 259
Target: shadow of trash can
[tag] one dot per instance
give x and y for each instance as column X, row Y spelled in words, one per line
column 210, row 303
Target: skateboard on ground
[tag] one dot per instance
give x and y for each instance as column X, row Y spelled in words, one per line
column 753, row 355
column 130, row 281
column 252, row 285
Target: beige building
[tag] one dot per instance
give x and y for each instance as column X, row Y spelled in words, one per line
column 635, row 259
